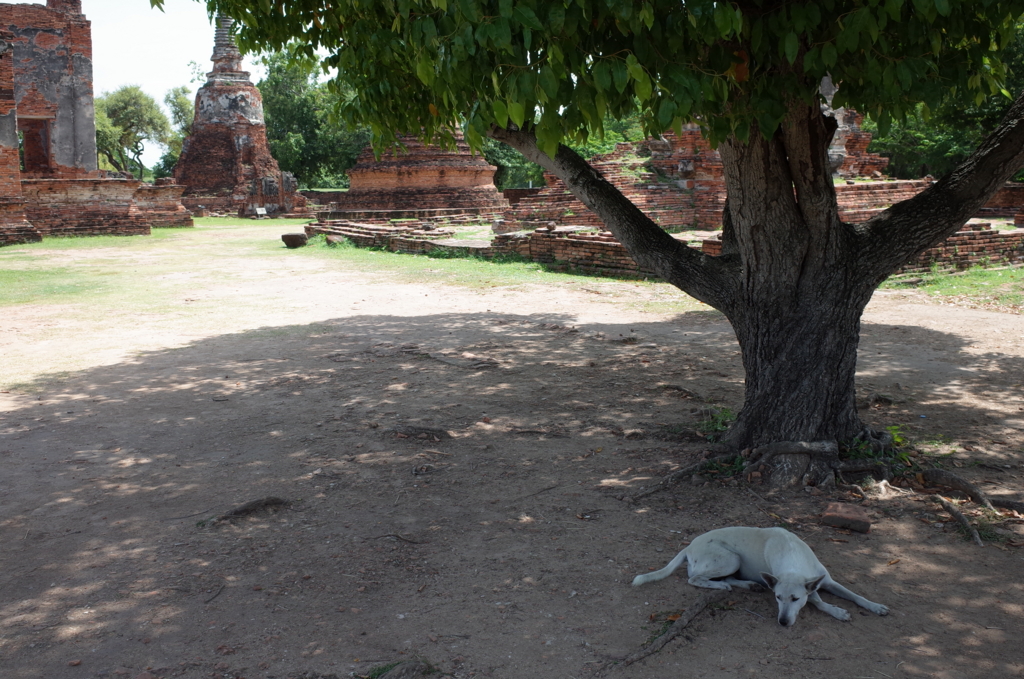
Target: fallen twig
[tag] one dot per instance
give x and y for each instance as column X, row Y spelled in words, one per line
column 397, row 537
column 955, row 513
column 676, row 629
column 678, row 475
column 216, row 594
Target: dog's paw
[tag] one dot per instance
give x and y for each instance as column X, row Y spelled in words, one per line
column 879, row 609
column 842, row 614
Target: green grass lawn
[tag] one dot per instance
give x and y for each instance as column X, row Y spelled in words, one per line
column 1000, row 289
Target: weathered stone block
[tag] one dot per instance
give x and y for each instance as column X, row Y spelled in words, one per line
column 851, row 517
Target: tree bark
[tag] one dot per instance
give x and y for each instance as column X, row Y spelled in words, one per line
column 793, row 280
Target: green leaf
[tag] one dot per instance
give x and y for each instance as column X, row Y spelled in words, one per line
column 516, row 113
column 548, row 82
column 556, row 17
column 829, row 56
column 620, row 75
column 425, row 70
column 505, row 8
column 643, row 87
column 500, row 113
column 603, row 75
column 791, row 46
column 527, row 17
column 942, row 7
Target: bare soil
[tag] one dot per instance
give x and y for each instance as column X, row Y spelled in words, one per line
column 453, row 464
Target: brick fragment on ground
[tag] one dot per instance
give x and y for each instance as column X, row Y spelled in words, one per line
column 851, row 517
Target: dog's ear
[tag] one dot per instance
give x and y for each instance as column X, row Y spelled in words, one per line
column 812, row 585
column 770, row 580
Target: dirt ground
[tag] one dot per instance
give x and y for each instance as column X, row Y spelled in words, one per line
column 454, row 463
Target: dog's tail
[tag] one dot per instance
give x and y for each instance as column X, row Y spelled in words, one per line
column 663, row 573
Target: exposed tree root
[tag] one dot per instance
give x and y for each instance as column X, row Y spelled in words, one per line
column 677, row 628
column 955, row 513
column 1009, row 504
column 941, row 477
column 250, row 508
column 815, row 449
column 678, row 475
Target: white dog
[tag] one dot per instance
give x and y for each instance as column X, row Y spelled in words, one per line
column 773, row 557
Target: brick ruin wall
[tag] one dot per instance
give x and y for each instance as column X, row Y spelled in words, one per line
column 54, row 186
column 84, row 207
column 418, row 177
column 14, row 226
column 160, row 203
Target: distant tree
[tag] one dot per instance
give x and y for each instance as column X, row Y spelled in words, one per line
column 304, row 134
column 515, row 171
column 179, row 102
column 936, row 141
column 125, row 120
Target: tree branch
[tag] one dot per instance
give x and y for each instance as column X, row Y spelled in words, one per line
column 910, row 227
column 712, row 280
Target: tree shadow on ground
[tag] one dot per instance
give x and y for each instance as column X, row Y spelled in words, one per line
column 447, row 473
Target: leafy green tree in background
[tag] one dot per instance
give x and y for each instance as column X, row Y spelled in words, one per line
column 180, row 103
column 304, row 135
column 793, row 280
column 934, row 142
column 125, row 120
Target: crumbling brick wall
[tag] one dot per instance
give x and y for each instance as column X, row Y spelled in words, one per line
column 53, row 87
column 160, row 203
column 84, row 207
column 14, row 227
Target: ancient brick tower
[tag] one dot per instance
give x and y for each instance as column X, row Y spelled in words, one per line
column 226, row 162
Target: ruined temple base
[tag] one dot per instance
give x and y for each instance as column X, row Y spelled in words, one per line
column 161, row 205
column 84, row 207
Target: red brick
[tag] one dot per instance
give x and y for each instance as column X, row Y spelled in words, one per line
column 842, row 515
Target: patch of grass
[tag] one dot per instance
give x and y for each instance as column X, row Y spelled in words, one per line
column 725, row 470
column 1001, row 289
column 381, row 670
column 49, row 285
column 715, row 422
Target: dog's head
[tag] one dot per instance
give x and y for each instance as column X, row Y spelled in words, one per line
column 791, row 594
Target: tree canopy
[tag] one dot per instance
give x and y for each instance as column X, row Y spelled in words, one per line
column 304, row 134
column 565, row 64
column 179, row 102
column 793, row 279
column 934, row 141
column 125, row 120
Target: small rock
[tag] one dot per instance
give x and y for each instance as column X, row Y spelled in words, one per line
column 846, row 516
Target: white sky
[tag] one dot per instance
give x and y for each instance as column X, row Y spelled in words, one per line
column 134, row 44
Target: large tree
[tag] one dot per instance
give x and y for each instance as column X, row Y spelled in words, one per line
column 304, row 134
column 125, row 120
column 793, row 278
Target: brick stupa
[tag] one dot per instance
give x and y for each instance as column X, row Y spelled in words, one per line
column 421, row 179
column 226, row 162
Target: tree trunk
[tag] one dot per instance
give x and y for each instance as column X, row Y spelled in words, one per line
column 797, row 314
column 793, row 279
